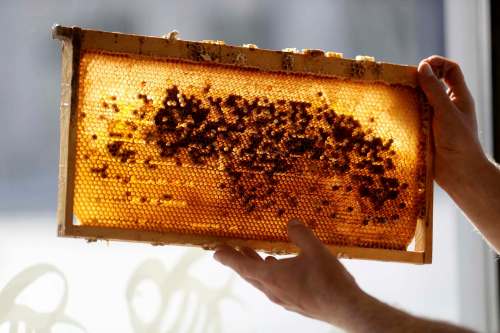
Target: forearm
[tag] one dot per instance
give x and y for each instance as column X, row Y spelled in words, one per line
column 476, row 190
column 375, row 316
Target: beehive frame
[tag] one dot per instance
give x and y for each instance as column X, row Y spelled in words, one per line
column 75, row 40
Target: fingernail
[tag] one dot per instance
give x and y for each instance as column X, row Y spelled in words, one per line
column 295, row 222
column 426, row 69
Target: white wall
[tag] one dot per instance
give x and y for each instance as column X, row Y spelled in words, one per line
column 467, row 27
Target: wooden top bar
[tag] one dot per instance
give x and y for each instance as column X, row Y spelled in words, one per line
column 314, row 62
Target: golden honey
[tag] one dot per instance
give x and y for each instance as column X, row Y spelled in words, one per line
column 202, row 148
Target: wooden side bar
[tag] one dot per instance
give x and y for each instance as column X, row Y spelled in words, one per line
column 69, row 103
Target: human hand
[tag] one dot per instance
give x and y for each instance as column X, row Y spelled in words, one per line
column 313, row 283
column 458, row 152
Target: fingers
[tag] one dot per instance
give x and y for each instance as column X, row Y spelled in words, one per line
column 246, row 263
column 250, row 253
column 433, row 89
column 271, row 259
column 243, row 264
column 452, row 74
column 257, row 284
column 265, row 289
column 303, row 237
column 430, row 73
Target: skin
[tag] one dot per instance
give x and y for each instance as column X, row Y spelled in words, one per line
column 473, row 181
column 315, row 284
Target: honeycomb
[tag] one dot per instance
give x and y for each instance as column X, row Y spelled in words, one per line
column 205, row 149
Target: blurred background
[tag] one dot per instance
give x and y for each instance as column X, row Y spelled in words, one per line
column 66, row 285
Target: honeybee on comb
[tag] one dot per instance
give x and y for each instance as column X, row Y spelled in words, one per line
column 204, row 143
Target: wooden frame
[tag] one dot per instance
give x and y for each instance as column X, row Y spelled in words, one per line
column 316, row 62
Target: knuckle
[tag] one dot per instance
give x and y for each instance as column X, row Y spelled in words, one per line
column 450, row 63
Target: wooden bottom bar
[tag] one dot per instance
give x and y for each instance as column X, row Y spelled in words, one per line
column 210, row 243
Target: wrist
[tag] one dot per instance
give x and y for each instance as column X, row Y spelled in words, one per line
column 464, row 173
column 356, row 312
column 373, row 315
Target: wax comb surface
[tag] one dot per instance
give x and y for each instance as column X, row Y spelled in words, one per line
column 198, row 147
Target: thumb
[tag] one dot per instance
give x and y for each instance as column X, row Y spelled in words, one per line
column 303, row 237
column 433, row 88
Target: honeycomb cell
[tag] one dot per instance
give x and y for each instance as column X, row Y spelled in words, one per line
column 203, row 149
